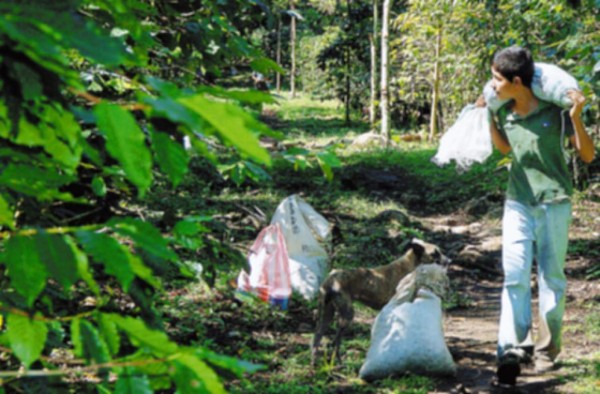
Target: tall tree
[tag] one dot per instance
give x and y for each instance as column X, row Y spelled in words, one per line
column 433, row 125
column 385, row 83
column 278, row 53
column 293, row 50
column 347, row 55
column 373, row 45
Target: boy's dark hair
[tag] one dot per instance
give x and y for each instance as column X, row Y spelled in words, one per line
column 514, row 62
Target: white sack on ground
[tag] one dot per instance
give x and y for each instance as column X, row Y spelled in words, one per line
column 408, row 334
column 550, row 83
column 468, row 141
column 304, row 229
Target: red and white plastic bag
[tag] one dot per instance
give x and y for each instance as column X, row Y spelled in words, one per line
column 269, row 276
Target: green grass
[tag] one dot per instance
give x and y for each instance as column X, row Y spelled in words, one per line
column 581, row 376
column 304, row 118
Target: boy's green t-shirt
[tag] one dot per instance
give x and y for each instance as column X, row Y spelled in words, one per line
column 538, row 172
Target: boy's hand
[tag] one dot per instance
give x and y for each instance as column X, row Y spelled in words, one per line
column 480, row 102
column 578, row 100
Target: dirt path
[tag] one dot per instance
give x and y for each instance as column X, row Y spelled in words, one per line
column 472, row 332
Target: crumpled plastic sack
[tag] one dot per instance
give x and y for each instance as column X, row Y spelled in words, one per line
column 407, row 335
column 269, row 276
column 550, row 83
column 304, row 229
column 468, row 141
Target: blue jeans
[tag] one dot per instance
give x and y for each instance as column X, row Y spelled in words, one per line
column 529, row 232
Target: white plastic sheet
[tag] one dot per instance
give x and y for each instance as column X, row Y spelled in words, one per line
column 468, row 141
column 304, row 229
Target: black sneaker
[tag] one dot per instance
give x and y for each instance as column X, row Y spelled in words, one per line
column 508, row 369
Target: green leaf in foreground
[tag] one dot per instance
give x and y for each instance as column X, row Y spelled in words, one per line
column 142, row 336
column 108, row 330
column 99, row 186
column 266, row 65
column 187, row 232
column 126, row 142
column 83, row 266
column 145, row 235
column 328, row 161
column 40, row 183
column 132, row 381
column 109, row 252
column 244, row 96
column 6, row 214
column 193, row 375
column 58, row 257
column 27, row 337
column 26, row 270
column 171, row 156
column 93, row 345
column 238, row 367
column 233, row 124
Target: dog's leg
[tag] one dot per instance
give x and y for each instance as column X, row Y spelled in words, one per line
column 343, row 305
column 325, row 315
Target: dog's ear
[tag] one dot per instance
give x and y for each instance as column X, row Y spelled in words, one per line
column 416, row 245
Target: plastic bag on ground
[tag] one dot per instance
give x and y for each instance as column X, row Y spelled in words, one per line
column 407, row 335
column 269, row 276
column 304, row 229
column 468, row 141
column 550, row 83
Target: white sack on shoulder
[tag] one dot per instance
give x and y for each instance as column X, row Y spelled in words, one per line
column 468, row 141
column 550, row 83
column 303, row 228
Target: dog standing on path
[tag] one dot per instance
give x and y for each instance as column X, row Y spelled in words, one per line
column 373, row 287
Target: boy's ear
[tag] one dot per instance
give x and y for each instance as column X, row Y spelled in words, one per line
column 517, row 80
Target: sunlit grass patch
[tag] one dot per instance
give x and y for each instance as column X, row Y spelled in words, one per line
column 363, row 207
column 456, row 299
column 306, row 118
column 581, row 376
column 589, row 325
column 303, row 106
column 279, row 385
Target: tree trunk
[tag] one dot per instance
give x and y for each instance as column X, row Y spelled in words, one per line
column 385, row 114
column 373, row 43
column 433, row 125
column 293, row 53
column 278, row 55
column 348, row 65
column 347, row 94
